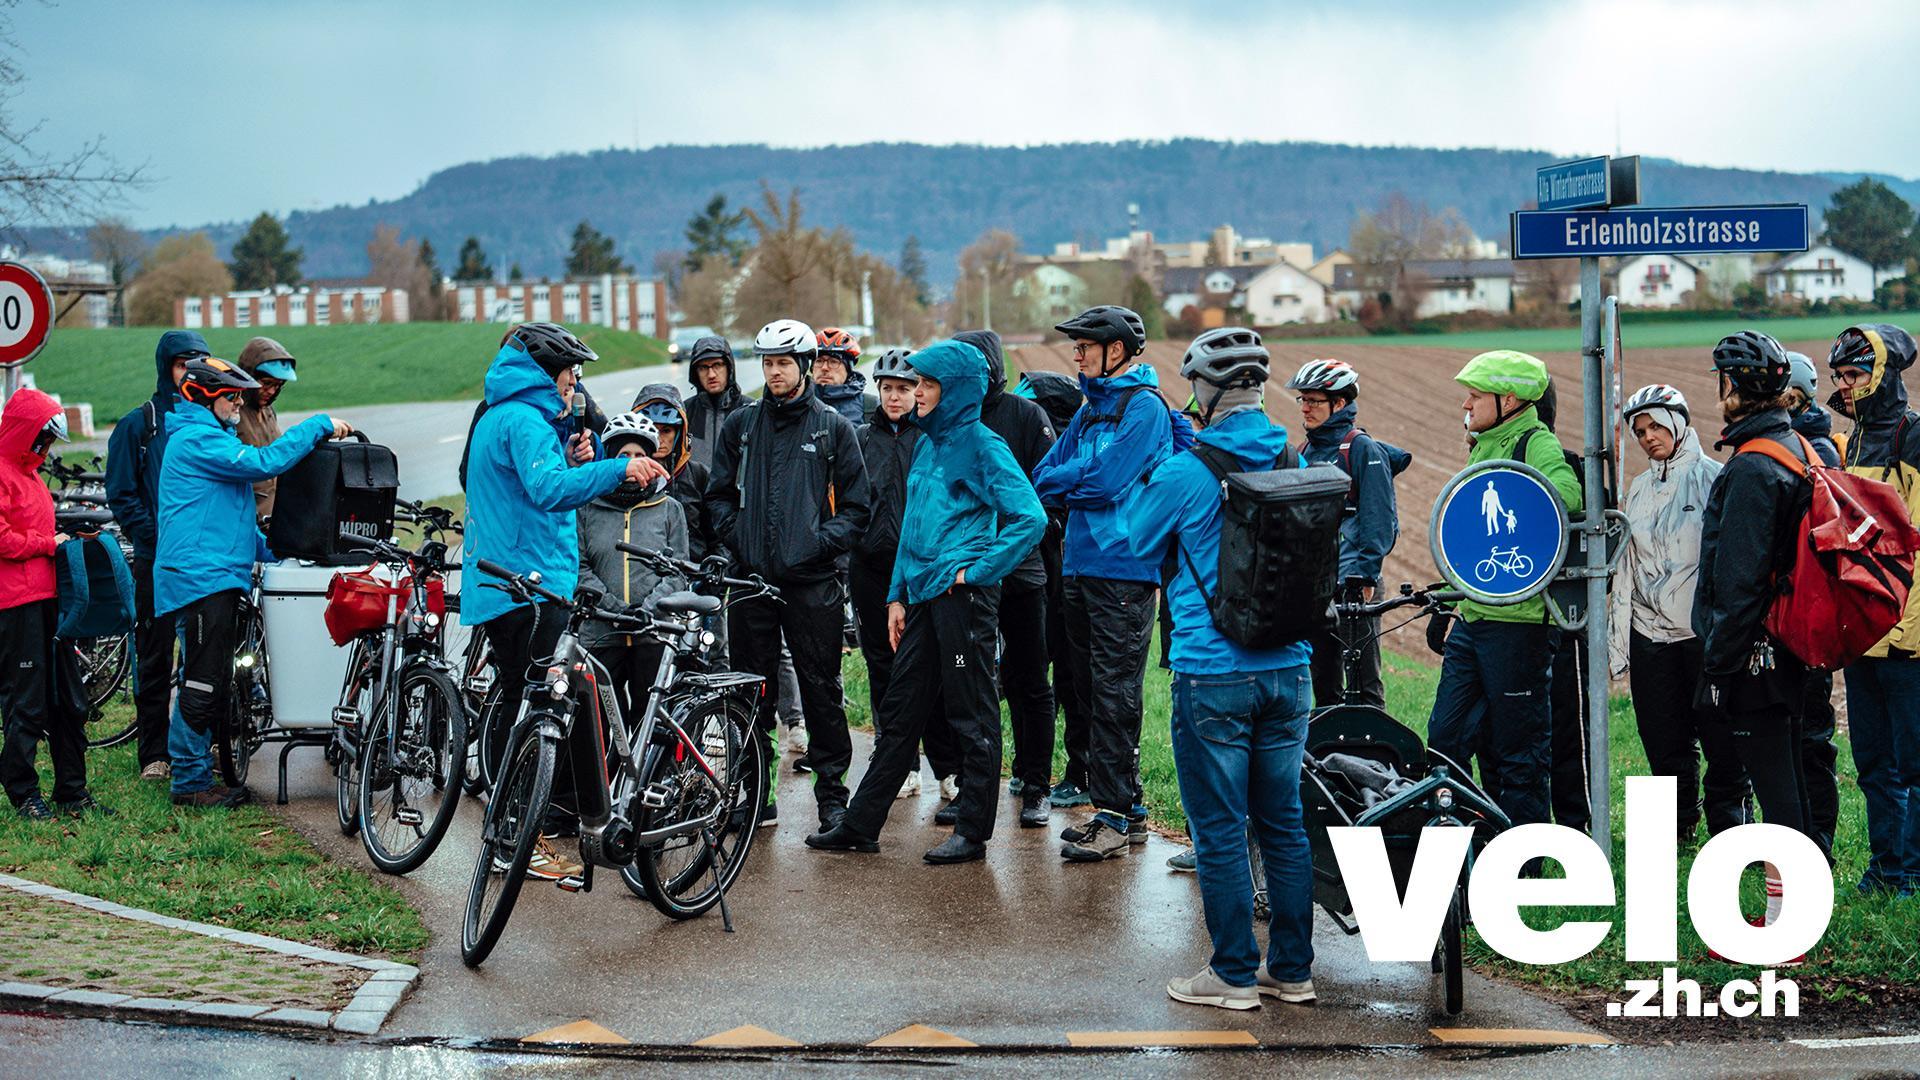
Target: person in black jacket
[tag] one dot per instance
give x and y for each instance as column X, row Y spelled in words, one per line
column 1818, row 754
column 1749, row 681
column 716, row 394
column 134, row 453
column 887, row 444
column 788, row 497
column 660, row 403
column 1023, row 597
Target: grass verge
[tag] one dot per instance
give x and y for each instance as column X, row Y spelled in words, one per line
column 240, row 868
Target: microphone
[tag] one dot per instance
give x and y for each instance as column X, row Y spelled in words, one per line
column 579, row 412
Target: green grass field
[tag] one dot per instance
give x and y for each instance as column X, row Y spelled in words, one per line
column 1639, row 333
column 339, row 365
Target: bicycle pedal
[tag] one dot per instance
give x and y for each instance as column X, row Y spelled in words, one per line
column 407, row 815
column 655, row 797
column 570, row 884
column 346, row 717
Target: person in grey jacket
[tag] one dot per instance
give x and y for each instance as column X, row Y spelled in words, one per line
column 646, row 516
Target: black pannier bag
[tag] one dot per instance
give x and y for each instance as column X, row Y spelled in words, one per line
column 341, row 488
column 1279, row 549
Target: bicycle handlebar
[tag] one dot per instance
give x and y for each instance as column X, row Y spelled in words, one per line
column 1432, row 597
column 709, row 572
column 389, row 552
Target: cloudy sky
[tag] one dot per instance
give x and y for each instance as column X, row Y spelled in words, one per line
column 239, row 106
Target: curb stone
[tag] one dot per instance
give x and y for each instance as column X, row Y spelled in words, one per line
column 377, row 997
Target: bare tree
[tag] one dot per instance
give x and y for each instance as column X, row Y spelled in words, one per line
column 395, row 262
column 116, row 245
column 177, row 267
column 37, row 187
column 988, row 269
column 1400, row 230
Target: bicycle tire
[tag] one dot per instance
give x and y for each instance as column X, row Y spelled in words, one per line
column 105, row 663
column 233, row 735
column 511, row 828
column 356, row 692
column 491, row 729
column 686, row 890
column 1452, row 948
column 433, row 748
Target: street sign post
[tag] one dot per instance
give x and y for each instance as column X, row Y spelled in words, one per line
column 1498, row 532
column 1658, row 230
column 26, row 319
column 1573, row 185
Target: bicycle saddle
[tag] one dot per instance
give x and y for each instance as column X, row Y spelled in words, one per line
column 687, row 603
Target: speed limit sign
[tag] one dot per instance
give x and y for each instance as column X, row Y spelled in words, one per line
column 26, row 314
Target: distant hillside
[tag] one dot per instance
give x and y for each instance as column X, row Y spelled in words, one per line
column 523, row 209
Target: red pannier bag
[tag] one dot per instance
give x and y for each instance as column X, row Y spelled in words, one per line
column 1852, row 563
column 357, row 603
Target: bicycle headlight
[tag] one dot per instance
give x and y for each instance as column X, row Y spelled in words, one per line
column 244, row 660
column 1443, row 798
column 557, row 683
column 708, row 639
column 433, row 621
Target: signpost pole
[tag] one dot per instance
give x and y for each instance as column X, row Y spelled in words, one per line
column 1594, row 455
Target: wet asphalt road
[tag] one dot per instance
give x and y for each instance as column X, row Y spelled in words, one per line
column 843, row 949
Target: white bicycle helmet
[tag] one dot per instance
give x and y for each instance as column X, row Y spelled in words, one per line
column 787, row 337
column 1227, row 356
column 1327, row 376
column 631, row 425
column 1656, row 396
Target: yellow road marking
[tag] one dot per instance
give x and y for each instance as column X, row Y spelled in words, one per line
column 1528, row 1036
column 920, row 1035
column 580, row 1031
column 746, row 1035
column 1161, row 1038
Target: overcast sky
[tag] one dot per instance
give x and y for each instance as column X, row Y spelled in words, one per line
column 238, row 107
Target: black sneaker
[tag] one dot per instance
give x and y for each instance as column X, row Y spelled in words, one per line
column 34, row 808
column 84, row 806
column 1034, row 811
column 956, row 849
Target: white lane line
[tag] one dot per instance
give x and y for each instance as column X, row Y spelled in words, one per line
column 1866, row 1040
column 450, row 439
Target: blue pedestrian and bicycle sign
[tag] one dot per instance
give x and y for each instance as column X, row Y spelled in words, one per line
column 1499, row 532
column 1658, row 230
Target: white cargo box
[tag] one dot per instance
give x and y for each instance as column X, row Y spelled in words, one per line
column 305, row 666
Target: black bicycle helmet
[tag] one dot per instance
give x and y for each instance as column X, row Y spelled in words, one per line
column 208, row 377
column 1107, row 323
column 713, row 346
column 1753, row 362
column 1227, row 356
column 551, row 345
column 893, row 364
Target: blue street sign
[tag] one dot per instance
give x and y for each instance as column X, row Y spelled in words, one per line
column 1573, row 185
column 1658, row 230
column 1498, row 532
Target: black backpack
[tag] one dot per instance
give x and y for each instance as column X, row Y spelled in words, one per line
column 340, row 489
column 1279, row 549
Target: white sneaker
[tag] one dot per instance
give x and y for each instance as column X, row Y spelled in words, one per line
column 950, row 788
column 796, row 741
column 912, row 786
column 1293, row 993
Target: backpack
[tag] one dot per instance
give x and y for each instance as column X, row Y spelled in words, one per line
column 94, row 587
column 1852, row 563
column 1279, row 549
column 339, row 489
column 1397, row 459
column 1177, row 422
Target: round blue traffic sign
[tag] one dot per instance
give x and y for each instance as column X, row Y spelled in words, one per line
column 1498, row 532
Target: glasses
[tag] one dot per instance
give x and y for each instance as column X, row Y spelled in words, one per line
column 1851, row 376
column 1082, row 348
column 1313, row 402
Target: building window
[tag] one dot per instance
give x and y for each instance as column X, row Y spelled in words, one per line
column 243, row 313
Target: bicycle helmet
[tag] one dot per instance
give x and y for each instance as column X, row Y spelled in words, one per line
column 1803, row 376
column 711, row 347
column 1227, row 356
column 1657, row 396
column 1753, row 362
column 1328, row 377
column 662, row 413
column 837, row 343
column 54, row 430
column 893, row 365
column 209, row 377
column 551, row 345
column 631, row 426
column 1108, row 323
column 1505, row 371
column 787, row 337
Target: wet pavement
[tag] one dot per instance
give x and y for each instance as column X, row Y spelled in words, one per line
column 839, row 949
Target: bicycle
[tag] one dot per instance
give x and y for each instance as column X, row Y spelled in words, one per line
column 242, row 729
column 1510, row 561
column 671, row 803
column 400, row 731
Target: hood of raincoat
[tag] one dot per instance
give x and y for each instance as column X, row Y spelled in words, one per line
column 513, row 376
column 174, row 343
column 961, row 370
column 847, row 398
column 988, row 343
column 28, row 410
column 1884, row 398
column 1058, row 394
column 665, row 393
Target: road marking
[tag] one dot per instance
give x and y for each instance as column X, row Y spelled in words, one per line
column 1865, row 1040
column 580, row 1031
column 450, row 439
column 1526, row 1036
column 746, row 1035
column 1161, row 1038
column 920, row 1035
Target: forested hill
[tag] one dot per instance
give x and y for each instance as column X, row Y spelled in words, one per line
column 524, row 209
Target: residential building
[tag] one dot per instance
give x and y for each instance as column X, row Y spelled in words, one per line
column 1322, row 271
column 282, row 305
column 1444, row 286
column 1283, row 293
column 1052, row 293
column 1655, row 281
column 1822, row 272
column 615, row 300
column 1210, row 290
column 1721, row 274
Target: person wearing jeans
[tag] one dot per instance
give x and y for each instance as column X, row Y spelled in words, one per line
column 1239, row 713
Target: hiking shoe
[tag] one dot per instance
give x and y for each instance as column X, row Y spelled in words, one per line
column 1136, row 830
column 1206, row 988
column 769, row 816
column 550, row 864
column 947, row 815
column 157, row 770
column 1065, row 795
column 841, row 838
column 1034, row 813
column 956, row 849
column 34, row 808
column 1293, row 993
column 84, row 806
column 1183, row 863
column 1099, row 840
column 910, row 788
column 218, row 796
column 950, row 788
column 1016, row 785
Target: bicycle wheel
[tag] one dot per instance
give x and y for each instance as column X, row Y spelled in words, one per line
column 410, row 771
column 1452, row 962
column 357, row 694
column 506, row 843
column 677, row 874
column 234, row 738
column 495, row 723
column 105, row 663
